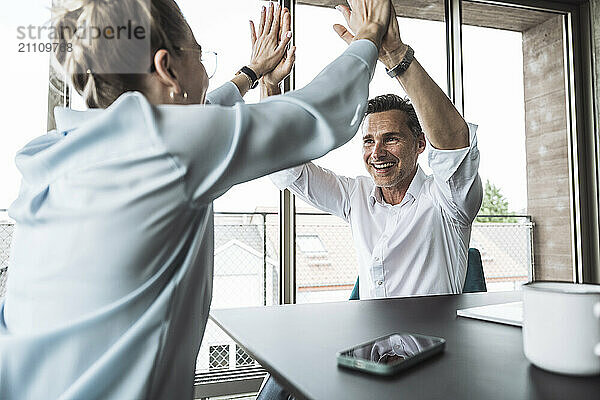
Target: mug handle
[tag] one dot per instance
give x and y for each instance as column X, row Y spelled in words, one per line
column 597, row 315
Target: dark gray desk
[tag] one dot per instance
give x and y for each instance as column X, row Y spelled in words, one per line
column 298, row 343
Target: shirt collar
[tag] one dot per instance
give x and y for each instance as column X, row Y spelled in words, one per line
column 67, row 119
column 413, row 189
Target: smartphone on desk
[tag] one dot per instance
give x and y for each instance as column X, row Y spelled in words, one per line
column 389, row 354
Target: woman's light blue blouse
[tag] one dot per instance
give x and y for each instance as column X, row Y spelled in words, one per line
column 110, row 276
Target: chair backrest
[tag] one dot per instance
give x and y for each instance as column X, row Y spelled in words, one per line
column 474, row 281
column 355, row 293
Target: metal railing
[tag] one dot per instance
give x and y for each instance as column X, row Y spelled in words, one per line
column 6, row 233
column 506, row 246
column 246, row 273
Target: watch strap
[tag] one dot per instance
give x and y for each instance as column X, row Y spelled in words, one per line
column 403, row 65
column 250, row 74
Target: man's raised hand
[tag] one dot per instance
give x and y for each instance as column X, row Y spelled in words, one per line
column 367, row 19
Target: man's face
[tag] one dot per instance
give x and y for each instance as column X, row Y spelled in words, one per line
column 390, row 149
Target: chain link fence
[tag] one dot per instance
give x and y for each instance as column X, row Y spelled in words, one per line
column 6, row 233
column 326, row 262
column 246, row 274
column 506, row 251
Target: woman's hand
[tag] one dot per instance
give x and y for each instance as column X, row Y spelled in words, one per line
column 284, row 68
column 270, row 42
column 368, row 19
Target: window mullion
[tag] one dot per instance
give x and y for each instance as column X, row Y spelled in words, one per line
column 454, row 53
column 287, row 209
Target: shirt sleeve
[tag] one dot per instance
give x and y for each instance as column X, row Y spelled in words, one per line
column 319, row 187
column 456, row 179
column 225, row 95
column 218, row 147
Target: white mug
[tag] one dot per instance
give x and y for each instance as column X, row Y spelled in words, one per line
column 561, row 327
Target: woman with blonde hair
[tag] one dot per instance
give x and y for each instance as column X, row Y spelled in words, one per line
column 111, row 263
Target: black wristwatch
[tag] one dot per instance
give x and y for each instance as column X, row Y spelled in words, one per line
column 252, row 77
column 403, row 65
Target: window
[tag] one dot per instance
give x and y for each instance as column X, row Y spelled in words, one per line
column 25, row 89
column 317, row 45
column 246, row 271
column 219, row 357
column 515, row 91
column 232, row 43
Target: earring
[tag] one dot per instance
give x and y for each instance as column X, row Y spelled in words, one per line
column 172, row 95
column 185, row 95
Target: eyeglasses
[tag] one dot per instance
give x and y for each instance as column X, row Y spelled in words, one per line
column 207, row 58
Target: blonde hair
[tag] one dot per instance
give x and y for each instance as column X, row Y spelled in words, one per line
column 102, row 70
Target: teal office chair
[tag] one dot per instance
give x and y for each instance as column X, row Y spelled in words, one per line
column 474, row 281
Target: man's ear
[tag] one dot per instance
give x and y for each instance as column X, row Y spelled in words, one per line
column 421, row 143
column 163, row 65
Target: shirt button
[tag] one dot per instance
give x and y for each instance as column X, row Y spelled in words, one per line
column 379, row 283
column 376, row 258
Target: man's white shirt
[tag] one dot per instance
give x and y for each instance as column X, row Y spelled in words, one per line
column 417, row 247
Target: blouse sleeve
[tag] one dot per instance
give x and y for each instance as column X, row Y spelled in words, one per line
column 225, row 95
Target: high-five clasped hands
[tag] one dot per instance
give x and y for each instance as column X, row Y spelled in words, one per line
column 272, row 60
column 357, row 15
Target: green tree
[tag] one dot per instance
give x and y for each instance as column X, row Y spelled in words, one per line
column 494, row 203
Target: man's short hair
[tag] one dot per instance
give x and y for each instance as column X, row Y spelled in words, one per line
column 389, row 102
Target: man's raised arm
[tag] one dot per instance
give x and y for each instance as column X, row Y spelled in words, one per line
column 443, row 125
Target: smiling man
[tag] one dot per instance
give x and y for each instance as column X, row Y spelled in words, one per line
column 411, row 231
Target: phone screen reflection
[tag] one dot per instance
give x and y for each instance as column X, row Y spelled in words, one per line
column 392, row 349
